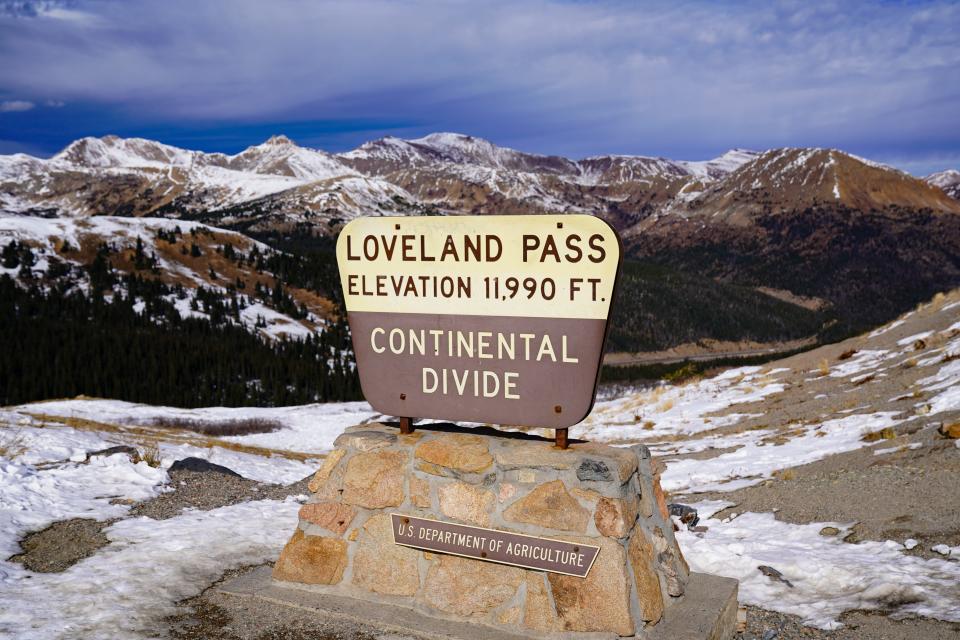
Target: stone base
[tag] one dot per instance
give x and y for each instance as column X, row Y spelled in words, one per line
column 590, row 494
column 709, row 612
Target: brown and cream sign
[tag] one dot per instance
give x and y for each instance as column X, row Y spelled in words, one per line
column 530, row 552
column 496, row 319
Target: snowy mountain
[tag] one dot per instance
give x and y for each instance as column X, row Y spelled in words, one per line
column 115, row 176
column 279, row 184
column 790, row 179
column 948, row 180
column 763, row 219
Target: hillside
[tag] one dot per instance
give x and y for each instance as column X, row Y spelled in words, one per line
column 161, row 310
column 817, row 223
column 658, row 307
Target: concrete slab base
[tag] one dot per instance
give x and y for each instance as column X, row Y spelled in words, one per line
column 707, row 612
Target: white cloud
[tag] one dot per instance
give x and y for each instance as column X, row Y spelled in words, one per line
column 15, row 105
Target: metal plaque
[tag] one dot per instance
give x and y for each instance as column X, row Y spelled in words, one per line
column 516, row 549
column 497, row 319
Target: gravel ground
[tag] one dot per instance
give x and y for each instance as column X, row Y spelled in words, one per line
column 62, row 545
column 859, row 625
column 210, row 490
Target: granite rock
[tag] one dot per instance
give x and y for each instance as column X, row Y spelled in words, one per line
column 375, row 479
column 549, row 505
column 466, row 502
column 312, row 560
column 467, row 587
column 601, row 601
column 382, row 566
column 335, row 517
column 459, row 451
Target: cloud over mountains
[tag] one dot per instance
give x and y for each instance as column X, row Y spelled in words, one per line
column 685, row 80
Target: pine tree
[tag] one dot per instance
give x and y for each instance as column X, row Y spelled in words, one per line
column 139, row 257
column 11, row 255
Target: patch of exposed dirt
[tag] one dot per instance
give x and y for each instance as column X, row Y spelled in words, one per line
column 205, row 491
column 62, row 545
column 858, row 625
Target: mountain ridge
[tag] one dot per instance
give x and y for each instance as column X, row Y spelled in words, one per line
column 448, row 172
column 815, row 222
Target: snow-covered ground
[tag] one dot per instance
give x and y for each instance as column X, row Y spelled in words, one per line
column 828, row 576
column 148, row 566
column 122, row 591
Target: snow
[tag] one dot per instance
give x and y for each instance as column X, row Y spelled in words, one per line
column 911, row 339
column 829, row 576
column 275, row 469
column 308, row 428
column 946, row 550
column 678, row 409
column 755, row 460
column 908, row 447
column 128, row 587
column 278, row 324
column 32, row 497
column 944, row 179
column 865, row 360
column 947, row 382
column 47, row 233
column 721, row 166
column 885, row 328
column 111, row 151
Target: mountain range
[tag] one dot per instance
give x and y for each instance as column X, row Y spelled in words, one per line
column 863, row 240
column 281, row 183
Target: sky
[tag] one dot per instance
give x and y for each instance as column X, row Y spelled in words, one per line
column 684, row 80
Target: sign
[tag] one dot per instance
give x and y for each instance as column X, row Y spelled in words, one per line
column 516, row 549
column 497, row 319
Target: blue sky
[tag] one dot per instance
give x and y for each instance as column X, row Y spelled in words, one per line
column 685, row 80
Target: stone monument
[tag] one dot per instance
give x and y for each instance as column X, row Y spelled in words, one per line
column 589, row 494
column 494, row 319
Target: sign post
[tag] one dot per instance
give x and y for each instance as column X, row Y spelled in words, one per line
column 494, row 319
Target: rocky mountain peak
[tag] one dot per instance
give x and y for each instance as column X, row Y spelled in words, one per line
column 795, row 178
column 279, row 140
column 114, row 151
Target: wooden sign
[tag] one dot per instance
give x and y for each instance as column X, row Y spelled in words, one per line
column 495, row 319
column 516, row 549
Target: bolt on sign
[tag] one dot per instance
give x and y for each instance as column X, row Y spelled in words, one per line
column 492, row 545
column 497, row 319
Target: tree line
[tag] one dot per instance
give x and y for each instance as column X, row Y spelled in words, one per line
column 62, row 339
